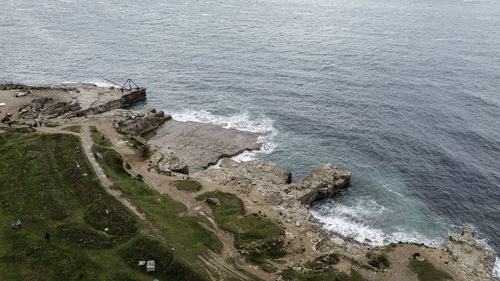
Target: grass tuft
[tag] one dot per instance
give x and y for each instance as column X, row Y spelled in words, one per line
column 74, row 128
column 188, row 185
column 427, row 272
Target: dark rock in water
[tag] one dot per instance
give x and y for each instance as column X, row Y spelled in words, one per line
column 322, row 183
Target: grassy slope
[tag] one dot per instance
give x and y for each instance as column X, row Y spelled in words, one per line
column 256, row 238
column 97, row 137
column 185, row 233
column 46, row 181
column 41, row 183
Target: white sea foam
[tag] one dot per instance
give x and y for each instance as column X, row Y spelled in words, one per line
column 353, row 220
column 496, row 269
column 104, row 84
column 243, row 122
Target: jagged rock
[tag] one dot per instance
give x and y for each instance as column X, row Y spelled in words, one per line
column 321, row 183
column 138, row 123
column 474, row 260
column 166, row 162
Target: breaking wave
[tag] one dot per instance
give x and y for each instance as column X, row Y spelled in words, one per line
column 244, row 122
column 354, row 221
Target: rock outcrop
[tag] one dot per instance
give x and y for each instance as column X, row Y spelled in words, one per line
column 138, row 123
column 322, row 183
column 474, row 260
column 165, row 163
column 275, row 184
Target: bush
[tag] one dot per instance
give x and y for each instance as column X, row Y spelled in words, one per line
column 323, row 261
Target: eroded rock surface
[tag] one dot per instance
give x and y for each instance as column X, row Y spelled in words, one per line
column 473, row 258
column 200, row 145
column 140, row 122
column 165, row 162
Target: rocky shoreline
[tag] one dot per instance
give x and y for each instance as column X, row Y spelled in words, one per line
column 185, row 149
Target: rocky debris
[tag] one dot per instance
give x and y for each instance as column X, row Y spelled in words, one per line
column 200, row 145
column 138, row 123
column 474, row 260
column 46, row 108
column 324, row 262
column 165, row 162
column 264, row 176
column 213, row 201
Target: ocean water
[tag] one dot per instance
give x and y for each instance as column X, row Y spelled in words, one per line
column 405, row 94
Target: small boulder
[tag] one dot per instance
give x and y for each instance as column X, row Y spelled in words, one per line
column 213, row 201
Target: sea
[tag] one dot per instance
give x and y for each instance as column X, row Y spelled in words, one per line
column 403, row 93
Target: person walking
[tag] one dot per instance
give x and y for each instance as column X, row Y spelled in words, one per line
column 47, row 237
column 18, row 224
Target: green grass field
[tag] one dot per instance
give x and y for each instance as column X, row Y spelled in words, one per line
column 46, row 181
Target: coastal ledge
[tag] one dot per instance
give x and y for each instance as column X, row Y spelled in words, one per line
column 264, row 189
